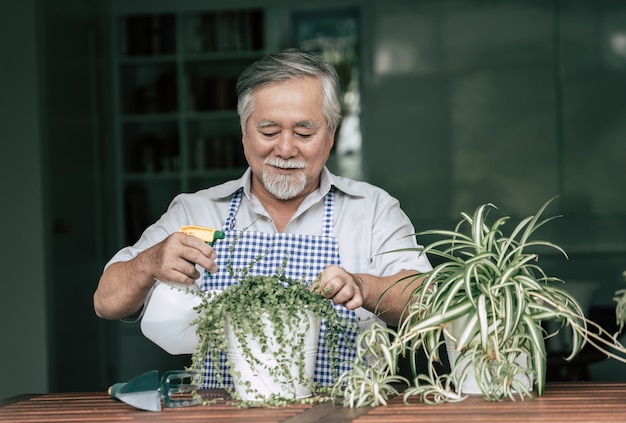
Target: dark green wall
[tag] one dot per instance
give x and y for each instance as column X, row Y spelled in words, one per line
column 511, row 102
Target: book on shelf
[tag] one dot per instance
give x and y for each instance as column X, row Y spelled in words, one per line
column 218, row 152
column 211, row 93
column 149, row 34
column 224, row 31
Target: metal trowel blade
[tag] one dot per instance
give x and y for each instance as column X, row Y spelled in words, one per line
column 141, row 392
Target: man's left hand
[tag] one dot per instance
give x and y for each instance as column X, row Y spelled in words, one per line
column 340, row 286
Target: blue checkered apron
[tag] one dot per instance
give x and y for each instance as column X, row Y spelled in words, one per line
column 307, row 256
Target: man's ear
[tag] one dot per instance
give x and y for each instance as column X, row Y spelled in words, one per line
column 332, row 136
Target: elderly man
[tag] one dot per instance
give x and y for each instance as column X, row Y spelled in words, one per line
column 286, row 202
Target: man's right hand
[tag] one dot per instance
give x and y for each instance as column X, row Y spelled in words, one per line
column 124, row 286
column 174, row 258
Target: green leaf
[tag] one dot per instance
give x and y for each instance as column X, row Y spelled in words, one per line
column 481, row 312
column 411, row 329
column 538, row 352
column 469, row 330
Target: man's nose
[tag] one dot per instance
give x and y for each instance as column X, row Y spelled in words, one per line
column 286, row 145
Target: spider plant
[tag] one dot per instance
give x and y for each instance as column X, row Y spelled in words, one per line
column 371, row 380
column 620, row 308
column 492, row 286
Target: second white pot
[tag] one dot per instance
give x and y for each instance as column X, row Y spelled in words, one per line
column 469, row 385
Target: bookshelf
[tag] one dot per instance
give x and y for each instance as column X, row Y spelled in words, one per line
column 176, row 125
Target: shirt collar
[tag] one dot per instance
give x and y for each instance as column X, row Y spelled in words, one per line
column 346, row 185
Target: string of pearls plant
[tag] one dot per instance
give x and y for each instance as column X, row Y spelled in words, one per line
column 281, row 301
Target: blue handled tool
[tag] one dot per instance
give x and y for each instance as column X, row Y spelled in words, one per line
column 146, row 391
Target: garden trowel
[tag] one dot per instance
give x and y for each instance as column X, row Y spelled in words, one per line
column 146, row 391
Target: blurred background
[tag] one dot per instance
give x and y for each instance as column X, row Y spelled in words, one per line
column 110, row 107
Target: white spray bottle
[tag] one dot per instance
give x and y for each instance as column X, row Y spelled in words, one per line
column 170, row 310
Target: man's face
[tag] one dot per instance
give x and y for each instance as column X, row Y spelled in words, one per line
column 286, row 141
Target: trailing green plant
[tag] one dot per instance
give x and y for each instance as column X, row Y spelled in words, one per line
column 371, row 382
column 491, row 285
column 247, row 305
column 620, row 307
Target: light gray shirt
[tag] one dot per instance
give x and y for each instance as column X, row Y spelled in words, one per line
column 367, row 223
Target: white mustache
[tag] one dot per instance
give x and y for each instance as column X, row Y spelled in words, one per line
column 285, row 164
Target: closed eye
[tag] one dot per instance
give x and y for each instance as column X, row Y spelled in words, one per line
column 309, row 126
column 268, row 128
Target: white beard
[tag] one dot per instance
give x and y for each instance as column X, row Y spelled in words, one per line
column 284, row 187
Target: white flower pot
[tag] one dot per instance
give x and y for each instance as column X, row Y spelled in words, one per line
column 253, row 382
column 469, row 385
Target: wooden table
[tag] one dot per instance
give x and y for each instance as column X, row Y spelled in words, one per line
column 562, row 402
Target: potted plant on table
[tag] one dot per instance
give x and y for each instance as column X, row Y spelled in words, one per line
column 487, row 301
column 264, row 331
column 620, row 307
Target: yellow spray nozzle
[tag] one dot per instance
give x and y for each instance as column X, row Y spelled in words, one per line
column 208, row 235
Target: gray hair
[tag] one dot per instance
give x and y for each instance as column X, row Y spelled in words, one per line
column 284, row 66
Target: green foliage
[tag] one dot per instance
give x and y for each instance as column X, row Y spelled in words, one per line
column 620, row 308
column 370, row 383
column 280, row 300
column 492, row 283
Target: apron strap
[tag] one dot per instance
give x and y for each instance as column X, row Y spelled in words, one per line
column 329, row 211
column 229, row 224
